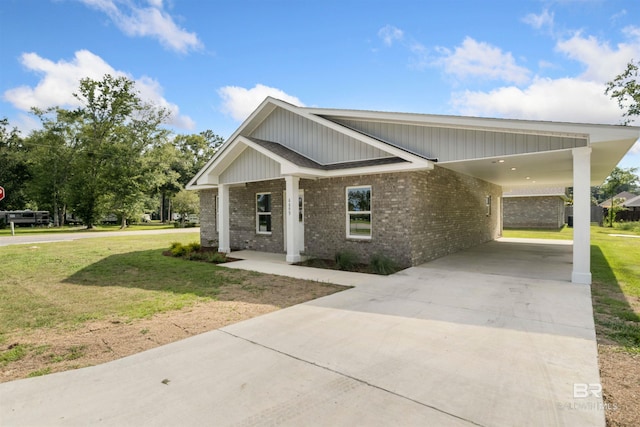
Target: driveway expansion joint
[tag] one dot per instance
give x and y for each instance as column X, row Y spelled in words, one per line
column 359, row 380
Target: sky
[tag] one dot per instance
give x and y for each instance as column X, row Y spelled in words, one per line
column 211, row 63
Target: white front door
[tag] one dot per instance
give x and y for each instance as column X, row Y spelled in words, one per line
column 300, row 222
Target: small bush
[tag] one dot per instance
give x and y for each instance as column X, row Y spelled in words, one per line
column 218, row 257
column 193, row 247
column 178, row 250
column 382, row 264
column 346, row 260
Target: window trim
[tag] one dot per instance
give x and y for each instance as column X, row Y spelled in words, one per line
column 349, row 213
column 258, row 213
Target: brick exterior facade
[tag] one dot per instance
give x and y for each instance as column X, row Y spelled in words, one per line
column 534, row 212
column 415, row 216
column 208, row 218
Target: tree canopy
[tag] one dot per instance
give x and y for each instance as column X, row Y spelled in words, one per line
column 625, row 89
column 110, row 155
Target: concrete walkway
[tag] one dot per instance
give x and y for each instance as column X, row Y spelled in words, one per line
column 441, row 344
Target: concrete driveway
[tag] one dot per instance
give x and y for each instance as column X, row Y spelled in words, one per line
column 431, row 345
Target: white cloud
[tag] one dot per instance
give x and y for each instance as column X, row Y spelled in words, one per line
column 240, row 102
column 475, row 59
column 151, row 21
column 545, row 19
column 565, row 99
column 602, row 62
column 389, row 34
column 61, row 79
column 572, row 98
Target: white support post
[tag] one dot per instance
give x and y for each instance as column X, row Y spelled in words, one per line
column 291, row 211
column 223, row 219
column 581, row 216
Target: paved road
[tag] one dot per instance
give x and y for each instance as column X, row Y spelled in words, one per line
column 21, row 239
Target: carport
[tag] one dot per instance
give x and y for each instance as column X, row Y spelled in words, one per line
column 584, row 157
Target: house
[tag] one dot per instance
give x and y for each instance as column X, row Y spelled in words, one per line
column 413, row 187
column 633, row 204
column 619, row 198
column 630, row 204
column 534, row 207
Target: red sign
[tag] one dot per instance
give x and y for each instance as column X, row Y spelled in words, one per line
column 1, row 193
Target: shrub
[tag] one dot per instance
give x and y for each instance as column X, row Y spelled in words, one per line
column 178, row 250
column 193, row 247
column 346, row 260
column 217, row 257
column 382, row 264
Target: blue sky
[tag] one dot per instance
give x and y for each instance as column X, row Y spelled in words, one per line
column 212, row 62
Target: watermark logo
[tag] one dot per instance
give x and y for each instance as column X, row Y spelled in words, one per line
column 584, row 390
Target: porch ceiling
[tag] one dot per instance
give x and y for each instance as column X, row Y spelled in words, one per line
column 543, row 169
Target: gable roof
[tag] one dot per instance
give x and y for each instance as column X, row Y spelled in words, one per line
column 315, row 142
column 634, row 202
column 625, row 196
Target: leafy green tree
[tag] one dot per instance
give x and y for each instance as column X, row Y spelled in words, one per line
column 14, row 168
column 182, row 158
column 111, row 169
column 625, row 89
column 619, row 180
column 185, row 203
column 52, row 153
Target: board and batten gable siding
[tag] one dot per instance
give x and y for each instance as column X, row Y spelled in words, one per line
column 313, row 140
column 449, row 144
column 250, row 165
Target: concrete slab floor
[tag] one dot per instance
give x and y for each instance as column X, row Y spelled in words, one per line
column 428, row 346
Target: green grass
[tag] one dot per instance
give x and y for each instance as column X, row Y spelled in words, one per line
column 616, row 280
column 68, row 283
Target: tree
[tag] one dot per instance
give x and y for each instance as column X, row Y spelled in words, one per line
column 619, row 180
column 185, row 203
column 52, row 152
column 14, row 168
column 182, row 159
column 111, row 172
column 625, row 89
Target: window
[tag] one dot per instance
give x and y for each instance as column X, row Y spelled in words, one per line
column 488, row 205
column 359, row 212
column 263, row 213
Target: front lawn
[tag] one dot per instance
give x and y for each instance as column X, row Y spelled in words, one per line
column 72, row 304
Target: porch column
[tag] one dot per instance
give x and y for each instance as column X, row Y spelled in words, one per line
column 581, row 216
column 223, row 219
column 291, row 212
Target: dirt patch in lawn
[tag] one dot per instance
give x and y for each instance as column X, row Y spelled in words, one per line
column 620, row 377
column 49, row 350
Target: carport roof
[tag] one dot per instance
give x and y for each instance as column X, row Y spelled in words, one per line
column 609, row 144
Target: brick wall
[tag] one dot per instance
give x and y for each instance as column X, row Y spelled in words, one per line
column 242, row 217
column 449, row 213
column 326, row 217
column 533, row 212
column 208, row 218
column 416, row 216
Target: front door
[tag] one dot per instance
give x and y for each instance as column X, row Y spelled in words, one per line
column 300, row 222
